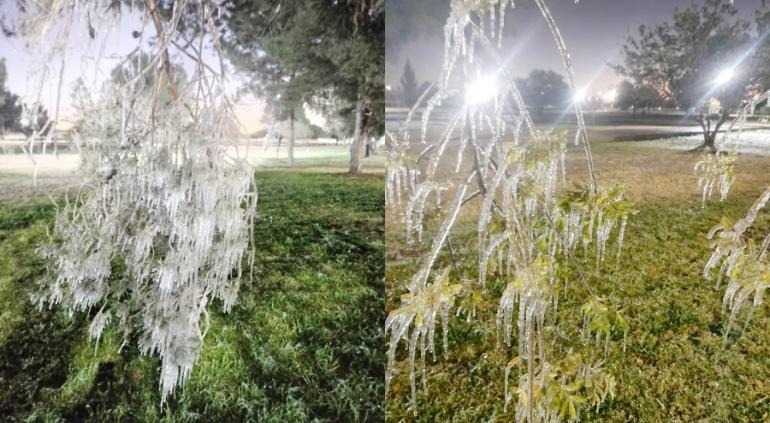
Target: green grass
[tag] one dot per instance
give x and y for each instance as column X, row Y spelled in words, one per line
column 675, row 367
column 303, row 342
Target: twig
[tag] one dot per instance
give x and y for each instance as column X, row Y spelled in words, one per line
column 153, row 11
column 452, row 254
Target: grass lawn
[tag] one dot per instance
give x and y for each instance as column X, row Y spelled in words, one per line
column 303, row 342
column 319, row 158
column 674, row 367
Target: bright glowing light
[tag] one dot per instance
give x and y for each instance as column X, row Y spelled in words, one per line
column 724, row 76
column 579, row 96
column 610, row 96
column 388, row 88
column 481, row 90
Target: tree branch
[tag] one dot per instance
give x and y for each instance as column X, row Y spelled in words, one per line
column 152, row 9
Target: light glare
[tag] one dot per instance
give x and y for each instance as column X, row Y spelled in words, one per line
column 481, row 90
column 724, row 76
column 579, row 96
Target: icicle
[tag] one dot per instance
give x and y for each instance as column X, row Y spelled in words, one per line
column 501, row 25
column 622, row 232
column 506, row 390
column 412, row 382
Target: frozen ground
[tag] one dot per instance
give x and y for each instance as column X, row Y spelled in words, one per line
column 755, row 142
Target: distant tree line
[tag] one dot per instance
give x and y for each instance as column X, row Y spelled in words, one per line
column 633, row 98
column 541, row 89
column 16, row 116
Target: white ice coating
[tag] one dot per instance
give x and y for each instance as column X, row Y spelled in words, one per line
column 492, row 247
column 163, row 199
column 621, row 235
column 730, row 244
column 745, row 266
column 420, row 308
column 176, row 221
column 513, row 181
column 748, row 270
column 715, row 170
column 415, row 209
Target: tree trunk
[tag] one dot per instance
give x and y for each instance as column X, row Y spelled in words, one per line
column 709, row 133
column 355, row 146
column 722, row 119
column 708, row 141
column 291, row 137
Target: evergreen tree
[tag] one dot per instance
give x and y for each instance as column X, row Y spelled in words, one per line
column 267, row 40
column 299, row 49
column 10, row 106
column 409, row 85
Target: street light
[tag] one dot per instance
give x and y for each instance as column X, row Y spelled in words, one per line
column 724, row 76
column 579, row 96
column 481, row 90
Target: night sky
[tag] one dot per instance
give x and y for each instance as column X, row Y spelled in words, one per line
column 594, row 31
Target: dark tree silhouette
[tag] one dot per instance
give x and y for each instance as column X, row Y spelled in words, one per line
column 409, row 85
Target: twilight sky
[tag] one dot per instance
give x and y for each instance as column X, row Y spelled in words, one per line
column 594, row 31
column 25, row 66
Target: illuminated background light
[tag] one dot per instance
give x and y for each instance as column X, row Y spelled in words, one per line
column 481, row 90
column 724, row 76
column 579, row 96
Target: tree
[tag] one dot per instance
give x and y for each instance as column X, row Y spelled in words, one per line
column 337, row 45
column 161, row 229
column 137, row 63
column 528, row 229
column 35, row 120
column 544, row 88
column 355, row 34
column 273, row 42
column 409, row 86
column 637, row 97
column 625, row 95
column 685, row 61
column 10, row 112
column 3, row 77
column 646, row 96
column 10, row 107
